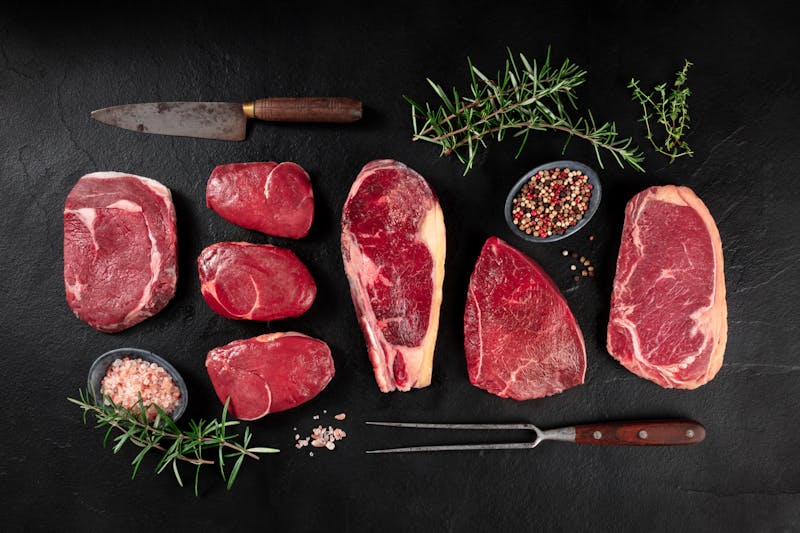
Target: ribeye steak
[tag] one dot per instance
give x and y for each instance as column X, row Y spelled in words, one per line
column 393, row 246
column 520, row 337
column 272, row 198
column 120, row 249
column 254, row 281
column 269, row 373
column 668, row 320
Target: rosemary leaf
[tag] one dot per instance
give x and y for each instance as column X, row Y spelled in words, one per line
column 163, row 436
column 523, row 97
column 235, row 471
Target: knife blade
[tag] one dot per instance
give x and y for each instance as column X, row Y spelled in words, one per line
column 223, row 120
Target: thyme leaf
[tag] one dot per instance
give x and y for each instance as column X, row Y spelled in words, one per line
column 670, row 110
column 193, row 446
column 524, row 97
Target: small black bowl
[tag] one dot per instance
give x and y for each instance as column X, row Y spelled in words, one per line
column 594, row 201
column 100, row 366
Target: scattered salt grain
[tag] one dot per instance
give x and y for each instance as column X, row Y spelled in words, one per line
column 322, row 437
column 315, row 417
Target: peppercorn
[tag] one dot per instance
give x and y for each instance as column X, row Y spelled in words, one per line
column 551, row 202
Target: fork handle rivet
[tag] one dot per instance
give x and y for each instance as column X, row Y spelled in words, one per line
column 642, row 434
column 690, row 433
column 597, row 435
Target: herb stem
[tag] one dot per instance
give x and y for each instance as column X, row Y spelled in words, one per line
column 523, row 98
column 185, row 446
column 671, row 111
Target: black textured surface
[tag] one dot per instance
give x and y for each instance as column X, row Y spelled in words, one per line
column 55, row 67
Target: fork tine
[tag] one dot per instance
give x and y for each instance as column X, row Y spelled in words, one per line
column 420, row 425
column 457, row 447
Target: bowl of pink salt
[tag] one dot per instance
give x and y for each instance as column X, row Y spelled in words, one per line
column 133, row 379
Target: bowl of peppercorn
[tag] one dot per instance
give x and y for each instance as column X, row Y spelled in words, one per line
column 553, row 201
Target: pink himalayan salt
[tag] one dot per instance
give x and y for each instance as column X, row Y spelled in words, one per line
column 126, row 379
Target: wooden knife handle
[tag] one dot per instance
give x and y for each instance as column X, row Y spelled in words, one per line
column 308, row 109
column 641, row 433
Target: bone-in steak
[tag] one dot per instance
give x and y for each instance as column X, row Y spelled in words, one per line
column 272, row 198
column 254, row 281
column 668, row 320
column 393, row 246
column 269, row 373
column 520, row 338
column 120, row 257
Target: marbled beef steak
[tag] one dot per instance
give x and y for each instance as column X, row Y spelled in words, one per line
column 269, row 373
column 520, row 337
column 120, row 249
column 272, row 198
column 254, row 281
column 668, row 320
column 393, row 246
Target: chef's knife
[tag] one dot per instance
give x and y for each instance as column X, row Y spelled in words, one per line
column 225, row 121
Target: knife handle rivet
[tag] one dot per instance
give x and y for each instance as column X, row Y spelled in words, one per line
column 690, row 433
column 642, row 434
column 597, row 435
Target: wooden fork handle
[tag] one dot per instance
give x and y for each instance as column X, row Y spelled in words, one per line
column 307, row 109
column 641, row 433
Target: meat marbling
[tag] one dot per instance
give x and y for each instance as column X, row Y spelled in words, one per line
column 276, row 199
column 668, row 319
column 393, row 246
column 254, row 281
column 520, row 337
column 269, row 373
column 120, row 249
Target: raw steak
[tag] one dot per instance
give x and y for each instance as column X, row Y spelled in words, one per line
column 120, row 258
column 269, row 373
column 272, row 198
column 520, row 337
column 393, row 246
column 668, row 320
column 254, row 281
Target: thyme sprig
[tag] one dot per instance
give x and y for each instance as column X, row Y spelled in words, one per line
column 195, row 446
column 670, row 110
column 523, row 98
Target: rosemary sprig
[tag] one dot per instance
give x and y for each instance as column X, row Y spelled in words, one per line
column 525, row 97
column 670, row 110
column 174, row 444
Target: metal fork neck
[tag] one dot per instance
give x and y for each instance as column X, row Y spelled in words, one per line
column 563, row 434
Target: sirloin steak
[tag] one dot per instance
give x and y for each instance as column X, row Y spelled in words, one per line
column 668, row 320
column 272, row 198
column 393, row 246
column 269, row 373
column 120, row 249
column 520, row 338
column 254, row 281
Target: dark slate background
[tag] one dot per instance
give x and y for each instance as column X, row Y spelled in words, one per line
column 57, row 66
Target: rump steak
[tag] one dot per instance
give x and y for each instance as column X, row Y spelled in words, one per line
column 668, row 320
column 393, row 246
column 272, row 198
column 269, row 373
column 520, row 338
column 254, row 281
column 120, row 249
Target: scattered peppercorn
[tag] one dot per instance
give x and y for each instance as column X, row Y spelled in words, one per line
column 551, row 202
